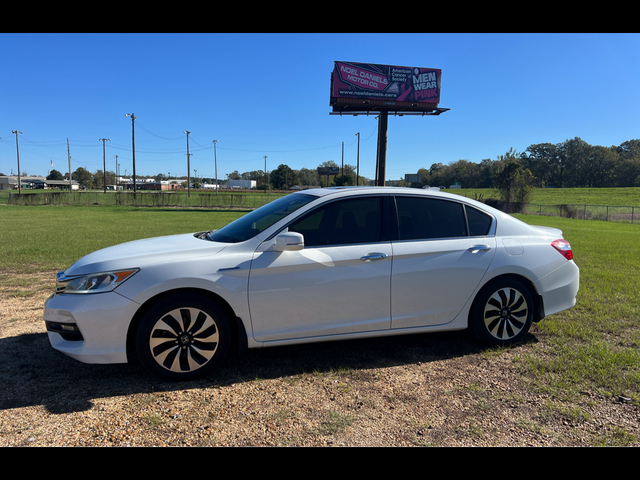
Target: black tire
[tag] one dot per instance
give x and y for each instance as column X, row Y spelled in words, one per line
column 502, row 313
column 183, row 337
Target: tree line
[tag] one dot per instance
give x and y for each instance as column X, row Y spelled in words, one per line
column 282, row 178
column 572, row 163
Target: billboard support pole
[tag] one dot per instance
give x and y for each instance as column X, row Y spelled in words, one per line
column 383, row 121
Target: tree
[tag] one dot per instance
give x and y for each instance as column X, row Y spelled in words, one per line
column 486, row 173
column 628, row 172
column 436, row 172
column 629, row 149
column 282, row 177
column 602, row 163
column 83, row 177
column 55, row 175
column 573, row 155
column 349, row 176
column 542, row 160
column 514, row 183
column 306, row 176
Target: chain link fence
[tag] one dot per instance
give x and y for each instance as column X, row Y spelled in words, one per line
column 145, row 199
column 607, row 213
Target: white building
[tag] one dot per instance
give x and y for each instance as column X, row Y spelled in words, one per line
column 242, row 184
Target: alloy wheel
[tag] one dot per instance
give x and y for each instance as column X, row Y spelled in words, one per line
column 505, row 313
column 184, row 339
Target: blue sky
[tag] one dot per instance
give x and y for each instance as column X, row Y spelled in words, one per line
column 268, row 94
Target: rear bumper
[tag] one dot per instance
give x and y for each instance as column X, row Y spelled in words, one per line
column 559, row 288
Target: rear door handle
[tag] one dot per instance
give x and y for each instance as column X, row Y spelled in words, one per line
column 373, row 256
column 477, row 248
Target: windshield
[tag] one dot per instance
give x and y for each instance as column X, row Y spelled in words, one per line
column 259, row 220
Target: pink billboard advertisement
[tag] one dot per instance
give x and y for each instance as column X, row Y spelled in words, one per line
column 386, row 82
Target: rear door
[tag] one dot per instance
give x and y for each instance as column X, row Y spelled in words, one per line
column 441, row 251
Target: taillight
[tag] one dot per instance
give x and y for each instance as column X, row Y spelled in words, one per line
column 563, row 247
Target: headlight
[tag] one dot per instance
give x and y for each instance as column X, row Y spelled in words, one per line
column 94, row 282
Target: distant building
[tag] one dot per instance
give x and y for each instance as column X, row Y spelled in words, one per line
column 11, row 183
column 248, row 184
column 64, row 184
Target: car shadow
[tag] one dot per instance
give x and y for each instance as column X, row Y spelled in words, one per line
column 33, row 373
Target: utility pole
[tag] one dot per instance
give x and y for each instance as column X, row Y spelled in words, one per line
column 104, row 163
column 116, row 172
column 69, row 159
column 133, row 146
column 358, row 162
column 215, row 160
column 188, row 166
column 266, row 177
column 18, row 153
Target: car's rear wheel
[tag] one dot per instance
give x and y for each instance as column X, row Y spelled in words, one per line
column 182, row 338
column 502, row 313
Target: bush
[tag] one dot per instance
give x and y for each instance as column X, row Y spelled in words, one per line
column 515, row 184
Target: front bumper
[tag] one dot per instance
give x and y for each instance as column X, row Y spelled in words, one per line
column 90, row 328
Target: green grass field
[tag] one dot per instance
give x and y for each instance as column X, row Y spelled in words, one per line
column 590, row 350
column 50, row 237
column 596, row 343
column 628, row 197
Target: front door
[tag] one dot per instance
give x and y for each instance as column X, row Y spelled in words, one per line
column 339, row 283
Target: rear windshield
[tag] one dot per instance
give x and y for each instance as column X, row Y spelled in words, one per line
column 253, row 223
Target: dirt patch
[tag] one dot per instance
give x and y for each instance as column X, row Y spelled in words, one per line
column 438, row 389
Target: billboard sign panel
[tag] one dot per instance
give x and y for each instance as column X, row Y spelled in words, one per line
column 366, row 81
column 328, row 170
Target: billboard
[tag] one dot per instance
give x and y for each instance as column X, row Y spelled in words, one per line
column 385, row 86
column 328, row 170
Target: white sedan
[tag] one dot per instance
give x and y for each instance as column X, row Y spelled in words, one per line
column 318, row 265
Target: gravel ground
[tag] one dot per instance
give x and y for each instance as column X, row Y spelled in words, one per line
column 438, row 390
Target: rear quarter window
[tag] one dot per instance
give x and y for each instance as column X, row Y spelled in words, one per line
column 479, row 222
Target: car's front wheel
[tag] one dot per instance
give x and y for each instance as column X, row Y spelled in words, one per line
column 502, row 313
column 182, row 338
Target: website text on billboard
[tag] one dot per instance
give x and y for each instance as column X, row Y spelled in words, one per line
column 386, row 82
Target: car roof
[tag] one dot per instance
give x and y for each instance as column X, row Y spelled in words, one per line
column 365, row 190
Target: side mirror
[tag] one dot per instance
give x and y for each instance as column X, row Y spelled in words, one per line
column 288, row 241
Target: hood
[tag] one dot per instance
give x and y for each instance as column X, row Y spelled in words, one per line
column 140, row 253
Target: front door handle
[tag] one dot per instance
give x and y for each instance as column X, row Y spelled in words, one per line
column 373, row 256
column 477, row 248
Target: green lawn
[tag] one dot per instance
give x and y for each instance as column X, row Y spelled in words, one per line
column 569, row 196
column 48, row 237
column 596, row 343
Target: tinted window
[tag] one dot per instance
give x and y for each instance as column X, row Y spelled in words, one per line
column 423, row 218
column 479, row 222
column 342, row 222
